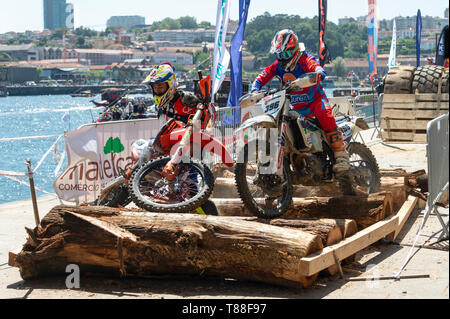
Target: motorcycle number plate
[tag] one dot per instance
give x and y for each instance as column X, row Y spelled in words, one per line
column 272, row 104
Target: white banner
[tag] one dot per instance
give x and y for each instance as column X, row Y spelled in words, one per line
column 221, row 58
column 393, row 54
column 95, row 153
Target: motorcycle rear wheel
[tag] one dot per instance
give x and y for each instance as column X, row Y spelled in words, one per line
column 361, row 156
column 147, row 188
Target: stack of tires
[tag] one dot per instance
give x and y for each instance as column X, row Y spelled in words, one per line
column 410, row 80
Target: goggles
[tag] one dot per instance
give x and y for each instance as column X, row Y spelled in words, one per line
column 286, row 55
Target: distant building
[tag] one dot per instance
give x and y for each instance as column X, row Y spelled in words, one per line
column 185, row 35
column 23, row 52
column 125, row 21
column 58, row 15
column 446, row 13
column 103, row 57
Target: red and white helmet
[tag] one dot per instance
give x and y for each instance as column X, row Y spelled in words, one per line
column 287, row 49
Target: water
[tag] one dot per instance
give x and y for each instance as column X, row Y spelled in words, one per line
column 36, row 116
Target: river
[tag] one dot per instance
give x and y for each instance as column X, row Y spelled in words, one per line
column 25, row 116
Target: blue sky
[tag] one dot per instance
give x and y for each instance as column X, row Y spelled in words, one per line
column 21, row 15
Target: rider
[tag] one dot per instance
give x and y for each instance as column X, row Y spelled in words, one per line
column 292, row 62
column 171, row 101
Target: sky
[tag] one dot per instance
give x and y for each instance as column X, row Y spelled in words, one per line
column 22, row 15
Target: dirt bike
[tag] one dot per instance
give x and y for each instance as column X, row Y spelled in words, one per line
column 145, row 153
column 179, row 183
column 299, row 153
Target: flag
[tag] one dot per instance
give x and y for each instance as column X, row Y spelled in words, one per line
column 236, row 56
column 372, row 38
column 442, row 52
column 418, row 35
column 221, row 58
column 324, row 54
column 393, row 54
column 66, row 117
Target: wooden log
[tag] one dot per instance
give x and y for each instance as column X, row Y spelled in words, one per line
column 328, row 229
column 124, row 242
column 225, row 188
column 365, row 210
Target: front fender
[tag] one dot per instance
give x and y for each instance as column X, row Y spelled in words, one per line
column 264, row 120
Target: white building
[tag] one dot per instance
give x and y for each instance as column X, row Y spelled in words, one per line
column 125, row 21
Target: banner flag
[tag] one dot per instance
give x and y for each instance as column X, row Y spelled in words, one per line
column 442, row 52
column 221, row 58
column 373, row 38
column 236, row 56
column 418, row 35
column 393, row 54
column 324, row 53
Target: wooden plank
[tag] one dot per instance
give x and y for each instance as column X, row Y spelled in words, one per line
column 411, row 98
column 403, row 215
column 415, row 105
column 412, row 115
column 388, row 124
column 404, row 137
column 399, row 98
column 321, row 260
column 426, row 97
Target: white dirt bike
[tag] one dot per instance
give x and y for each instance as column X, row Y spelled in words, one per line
column 284, row 149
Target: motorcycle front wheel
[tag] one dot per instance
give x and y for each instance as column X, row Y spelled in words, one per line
column 253, row 187
column 191, row 188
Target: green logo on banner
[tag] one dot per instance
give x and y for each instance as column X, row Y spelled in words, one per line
column 113, row 146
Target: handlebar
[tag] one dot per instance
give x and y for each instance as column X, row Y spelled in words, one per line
column 306, row 80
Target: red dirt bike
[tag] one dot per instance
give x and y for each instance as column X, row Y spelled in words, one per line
column 176, row 183
column 180, row 182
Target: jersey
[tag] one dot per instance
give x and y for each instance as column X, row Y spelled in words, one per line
column 310, row 101
column 180, row 107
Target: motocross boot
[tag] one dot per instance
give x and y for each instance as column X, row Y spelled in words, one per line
column 340, row 153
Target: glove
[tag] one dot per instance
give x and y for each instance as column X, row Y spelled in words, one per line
column 321, row 75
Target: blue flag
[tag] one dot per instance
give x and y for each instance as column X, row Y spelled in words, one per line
column 418, row 35
column 372, row 30
column 236, row 56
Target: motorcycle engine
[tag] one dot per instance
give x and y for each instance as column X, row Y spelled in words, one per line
column 309, row 170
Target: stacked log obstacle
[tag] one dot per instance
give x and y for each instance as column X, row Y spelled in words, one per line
column 225, row 188
column 365, row 210
column 115, row 242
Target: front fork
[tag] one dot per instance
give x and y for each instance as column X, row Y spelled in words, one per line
column 274, row 166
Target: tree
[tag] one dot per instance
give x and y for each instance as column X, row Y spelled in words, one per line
column 188, row 22
column 204, row 24
column 339, row 67
column 149, row 37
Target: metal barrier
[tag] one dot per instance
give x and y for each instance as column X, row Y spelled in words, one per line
column 437, row 154
column 227, row 121
column 438, row 171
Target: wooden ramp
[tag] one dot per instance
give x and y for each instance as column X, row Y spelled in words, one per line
column 405, row 116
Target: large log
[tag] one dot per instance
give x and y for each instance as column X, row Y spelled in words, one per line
column 365, row 210
column 225, row 188
column 328, row 229
column 125, row 242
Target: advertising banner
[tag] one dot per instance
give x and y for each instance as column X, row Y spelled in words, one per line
column 393, row 54
column 324, row 54
column 236, row 56
column 373, row 38
column 96, row 153
column 221, row 58
column 418, row 35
